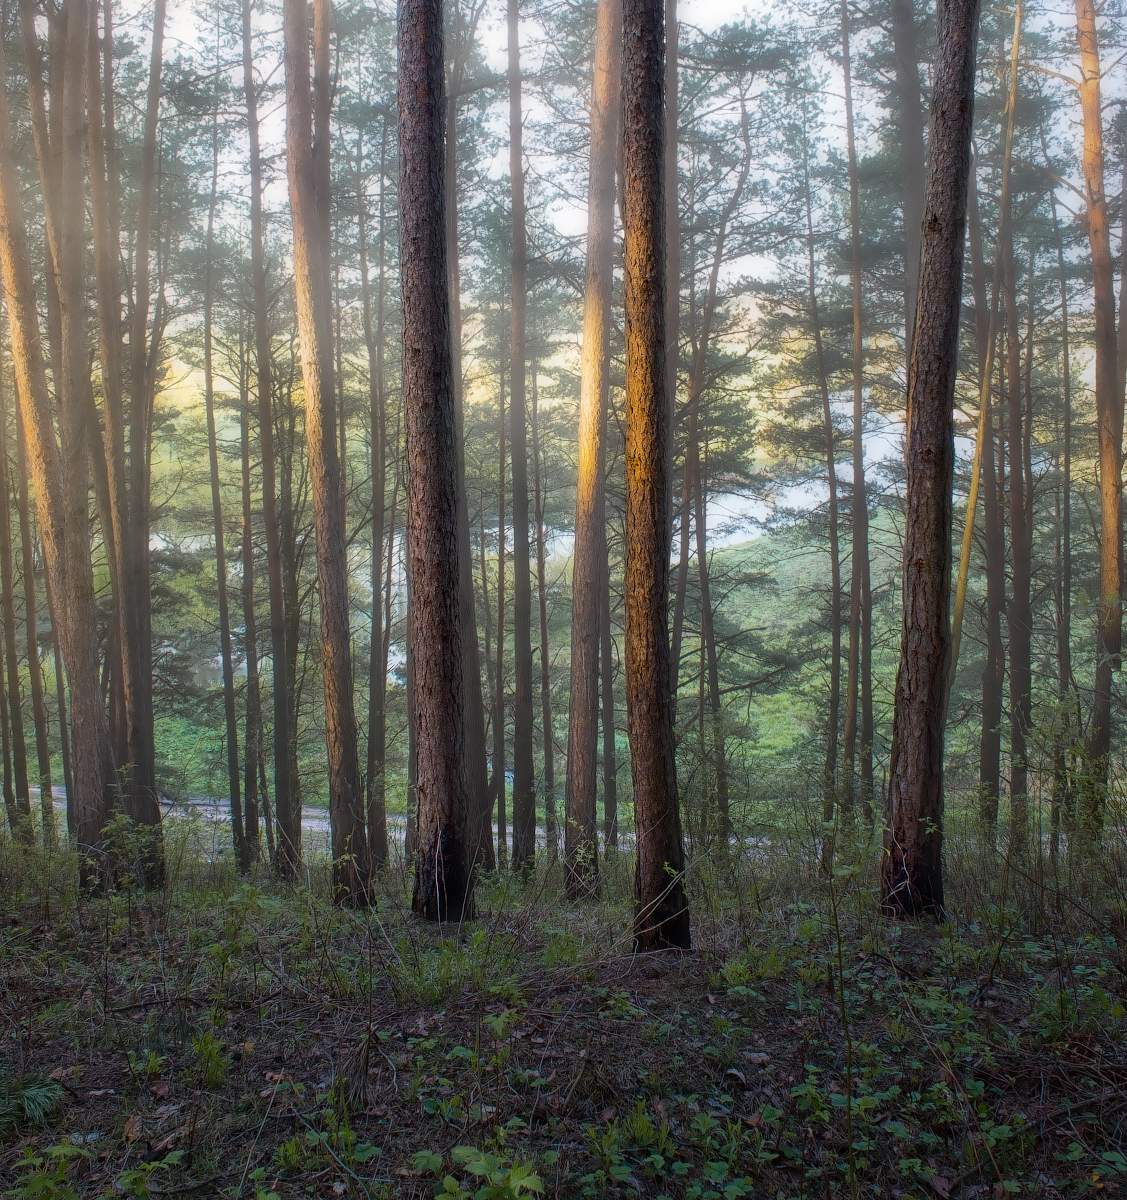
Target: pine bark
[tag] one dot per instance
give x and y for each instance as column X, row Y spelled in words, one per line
column 443, row 887
column 912, row 867
column 661, row 908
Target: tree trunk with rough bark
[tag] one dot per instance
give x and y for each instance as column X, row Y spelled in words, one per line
column 443, row 871
column 661, row 909
column 912, row 867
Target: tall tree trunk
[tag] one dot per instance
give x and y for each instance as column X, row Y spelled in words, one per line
column 480, row 833
column 671, row 200
column 1109, row 417
column 25, row 830
column 524, row 783
column 550, row 830
column 307, row 159
column 234, row 783
column 589, row 555
column 62, row 511
column 376, row 799
column 858, row 716
column 661, row 914
column 912, row 867
column 443, row 873
column 287, row 807
column 910, row 118
column 31, row 629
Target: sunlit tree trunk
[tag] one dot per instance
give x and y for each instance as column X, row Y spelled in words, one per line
column 287, row 807
column 62, row 511
column 443, row 873
column 589, row 555
column 912, row 866
column 1109, row 416
column 662, row 914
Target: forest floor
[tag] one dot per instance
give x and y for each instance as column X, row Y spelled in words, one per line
column 227, row 1039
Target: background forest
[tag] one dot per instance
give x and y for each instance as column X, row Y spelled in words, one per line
column 210, row 719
